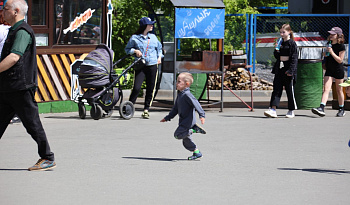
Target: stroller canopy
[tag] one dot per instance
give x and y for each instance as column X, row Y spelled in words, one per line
column 96, row 68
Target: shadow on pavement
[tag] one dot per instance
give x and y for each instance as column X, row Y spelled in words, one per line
column 13, row 169
column 155, row 159
column 326, row 171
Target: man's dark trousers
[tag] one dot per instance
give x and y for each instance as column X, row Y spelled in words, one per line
column 23, row 104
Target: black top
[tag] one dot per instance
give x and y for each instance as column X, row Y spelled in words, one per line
column 331, row 63
column 288, row 48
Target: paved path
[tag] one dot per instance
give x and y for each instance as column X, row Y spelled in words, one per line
column 248, row 159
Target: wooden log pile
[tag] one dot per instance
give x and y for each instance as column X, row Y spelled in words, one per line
column 238, row 79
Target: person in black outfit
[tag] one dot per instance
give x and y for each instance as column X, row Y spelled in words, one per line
column 18, row 81
column 285, row 71
column 145, row 45
column 334, row 57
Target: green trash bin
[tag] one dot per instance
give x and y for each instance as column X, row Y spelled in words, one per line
column 309, row 85
column 198, row 86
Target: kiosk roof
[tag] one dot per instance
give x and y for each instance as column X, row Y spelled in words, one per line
column 198, row 3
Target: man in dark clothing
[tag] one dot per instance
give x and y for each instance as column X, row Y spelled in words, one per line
column 18, row 81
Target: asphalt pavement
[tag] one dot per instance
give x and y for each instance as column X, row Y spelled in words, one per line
column 247, row 159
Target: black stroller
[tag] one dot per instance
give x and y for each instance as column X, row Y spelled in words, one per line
column 102, row 87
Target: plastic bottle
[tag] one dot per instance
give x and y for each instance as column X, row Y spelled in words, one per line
column 329, row 45
column 279, row 42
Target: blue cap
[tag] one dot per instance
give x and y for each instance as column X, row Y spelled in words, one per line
column 146, row 21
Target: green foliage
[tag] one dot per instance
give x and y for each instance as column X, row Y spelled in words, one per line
column 235, row 26
column 239, row 7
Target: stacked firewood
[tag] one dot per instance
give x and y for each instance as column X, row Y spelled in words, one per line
column 238, row 79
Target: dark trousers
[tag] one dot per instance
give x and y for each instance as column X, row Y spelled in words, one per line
column 186, row 135
column 151, row 73
column 282, row 80
column 23, row 104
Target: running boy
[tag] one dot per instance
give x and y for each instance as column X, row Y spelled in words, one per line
column 185, row 106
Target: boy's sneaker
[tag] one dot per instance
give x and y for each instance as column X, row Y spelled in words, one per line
column 145, row 115
column 198, row 129
column 290, row 114
column 341, row 113
column 195, row 156
column 318, row 111
column 270, row 113
column 15, row 120
column 42, row 165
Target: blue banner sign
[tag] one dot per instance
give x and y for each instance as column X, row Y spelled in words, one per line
column 199, row 23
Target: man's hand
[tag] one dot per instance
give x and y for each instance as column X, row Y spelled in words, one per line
column 202, row 120
column 163, row 120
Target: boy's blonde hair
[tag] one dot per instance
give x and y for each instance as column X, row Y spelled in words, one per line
column 187, row 77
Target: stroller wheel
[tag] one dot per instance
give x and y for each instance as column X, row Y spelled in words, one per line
column 96, row 111
column 126, row 110
column 82, row 110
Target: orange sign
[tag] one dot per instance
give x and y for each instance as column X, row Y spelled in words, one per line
column 80, row 20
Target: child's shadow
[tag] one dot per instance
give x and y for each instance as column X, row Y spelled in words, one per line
column 13, row 169
column 155, row 159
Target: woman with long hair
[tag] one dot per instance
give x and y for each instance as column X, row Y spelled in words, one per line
column 334, row 57
column 285, row 71
column 145, row 45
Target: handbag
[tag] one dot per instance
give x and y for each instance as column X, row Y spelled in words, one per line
column 141, row 63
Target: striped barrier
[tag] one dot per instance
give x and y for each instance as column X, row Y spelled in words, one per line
column 54, row 76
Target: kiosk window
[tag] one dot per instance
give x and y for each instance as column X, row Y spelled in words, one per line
column 39, row 12
column 77, row 22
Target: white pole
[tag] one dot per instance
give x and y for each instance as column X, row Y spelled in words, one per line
column 109, row 24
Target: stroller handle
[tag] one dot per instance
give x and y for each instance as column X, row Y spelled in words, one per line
column 126, row 56
column 118, row 61
column 118, row 78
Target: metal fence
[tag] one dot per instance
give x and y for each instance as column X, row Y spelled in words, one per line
column 310, row 32
column 256, row 35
